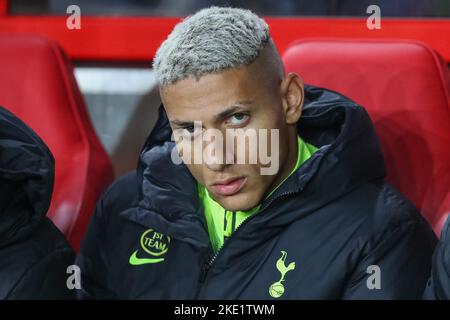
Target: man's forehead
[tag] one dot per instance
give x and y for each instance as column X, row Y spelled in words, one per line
column 227, row 79
column 208, row 96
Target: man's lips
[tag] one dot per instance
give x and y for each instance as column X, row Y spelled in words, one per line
column 228, row 187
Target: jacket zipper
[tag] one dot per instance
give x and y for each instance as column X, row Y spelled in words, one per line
column 211, row 261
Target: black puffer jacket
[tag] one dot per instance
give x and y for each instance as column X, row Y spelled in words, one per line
column 333, row 230
column 438, row 286
column 34, row 255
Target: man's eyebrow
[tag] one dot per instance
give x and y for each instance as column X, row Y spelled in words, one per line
column 222, row 115
column 230, row 110
column 180, row 123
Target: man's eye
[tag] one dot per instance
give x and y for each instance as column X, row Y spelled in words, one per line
column 191, row 131
column 238, row 119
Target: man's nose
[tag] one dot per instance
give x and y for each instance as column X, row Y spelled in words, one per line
column 217, row 156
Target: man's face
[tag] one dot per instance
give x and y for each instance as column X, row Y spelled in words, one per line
column 233, row 99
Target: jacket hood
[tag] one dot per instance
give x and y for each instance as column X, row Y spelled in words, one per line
column 26, row 179
column 349, row 155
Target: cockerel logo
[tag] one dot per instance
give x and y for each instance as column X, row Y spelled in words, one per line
column 276, row 290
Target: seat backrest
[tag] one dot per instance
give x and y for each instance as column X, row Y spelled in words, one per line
column 404, row 85
column 38, row 85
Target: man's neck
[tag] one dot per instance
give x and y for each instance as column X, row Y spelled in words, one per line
column 289, row 165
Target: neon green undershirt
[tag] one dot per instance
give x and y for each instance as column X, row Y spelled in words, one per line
column 214, row 212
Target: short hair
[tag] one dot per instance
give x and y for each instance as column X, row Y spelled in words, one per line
column 212, row 40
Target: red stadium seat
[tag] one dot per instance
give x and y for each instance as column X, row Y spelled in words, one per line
column 405, row 86
column 37, row 84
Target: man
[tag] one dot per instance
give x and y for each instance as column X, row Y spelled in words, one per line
column 34, row 255
column 322, row 224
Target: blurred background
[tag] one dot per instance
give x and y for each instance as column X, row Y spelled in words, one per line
column 390, row 8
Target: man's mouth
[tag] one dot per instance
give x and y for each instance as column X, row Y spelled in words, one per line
column 228, row 187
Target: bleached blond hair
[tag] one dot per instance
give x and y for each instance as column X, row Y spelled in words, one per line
column 210, row 41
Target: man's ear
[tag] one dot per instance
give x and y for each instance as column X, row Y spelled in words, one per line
column 292, row 94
